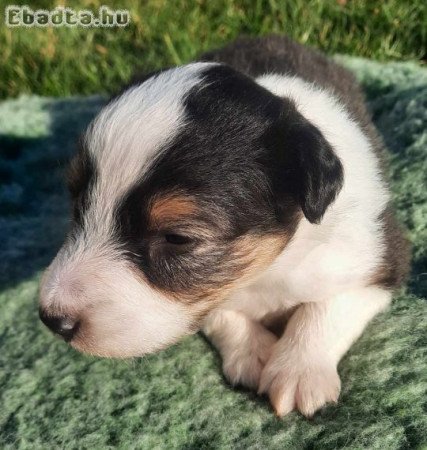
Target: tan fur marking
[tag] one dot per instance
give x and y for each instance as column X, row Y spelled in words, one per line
column 171, row 207
column 257, row 252
column 250, row 256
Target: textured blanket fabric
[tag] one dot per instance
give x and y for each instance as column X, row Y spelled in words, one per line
column 53, row 397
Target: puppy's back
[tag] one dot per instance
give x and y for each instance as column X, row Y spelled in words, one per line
column 281, row 55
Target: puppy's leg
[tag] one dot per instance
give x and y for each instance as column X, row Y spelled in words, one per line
column 244, row 345
column 302, row 370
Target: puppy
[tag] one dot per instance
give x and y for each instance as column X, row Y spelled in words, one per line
column 235, row 194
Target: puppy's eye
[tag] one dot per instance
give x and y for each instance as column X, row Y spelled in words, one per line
column 177, row 239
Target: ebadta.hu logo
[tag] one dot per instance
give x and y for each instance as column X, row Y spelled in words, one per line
column 24, row 16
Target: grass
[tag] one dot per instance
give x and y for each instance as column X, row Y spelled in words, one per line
column 66, row 61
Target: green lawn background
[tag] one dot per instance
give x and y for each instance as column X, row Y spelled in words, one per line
column 64, row 61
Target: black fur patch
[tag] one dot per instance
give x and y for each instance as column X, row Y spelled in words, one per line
column 302, row 165
column 250, row 160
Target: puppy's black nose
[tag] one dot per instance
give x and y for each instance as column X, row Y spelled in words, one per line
column 64, row 326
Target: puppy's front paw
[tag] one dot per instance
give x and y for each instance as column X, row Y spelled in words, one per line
column 300, row 383
column 243, row 365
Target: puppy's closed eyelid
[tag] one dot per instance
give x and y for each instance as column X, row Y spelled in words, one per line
column 182, row 235
column 177, row 239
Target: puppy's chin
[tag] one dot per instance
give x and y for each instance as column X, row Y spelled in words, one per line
column 118, row 347
column 111, row 333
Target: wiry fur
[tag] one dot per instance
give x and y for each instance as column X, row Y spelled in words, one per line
column 206, row 196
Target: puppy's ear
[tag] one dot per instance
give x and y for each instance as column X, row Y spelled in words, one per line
column 307, row 167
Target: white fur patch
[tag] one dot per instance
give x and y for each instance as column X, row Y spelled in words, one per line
column 129, row 134
column 120, row 314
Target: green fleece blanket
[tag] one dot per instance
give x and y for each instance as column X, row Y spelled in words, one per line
column 53, row 397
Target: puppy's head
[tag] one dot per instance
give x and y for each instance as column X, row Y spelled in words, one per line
column 185, row 187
